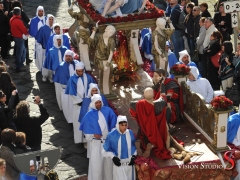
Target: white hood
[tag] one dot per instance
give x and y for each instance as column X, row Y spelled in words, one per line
column 56, row 24
column 195, row 72
column 120, row 118
column 55, row 37
column 91, row 86
column 183, row 53
column 40, row 8
column 47, row 21
column 95, row 98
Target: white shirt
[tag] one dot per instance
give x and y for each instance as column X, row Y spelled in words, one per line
column 202, row 87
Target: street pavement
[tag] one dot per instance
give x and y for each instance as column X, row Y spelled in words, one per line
column 56, row 131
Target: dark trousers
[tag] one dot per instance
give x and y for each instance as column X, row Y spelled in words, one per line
column 20, row 52
column 27, row 50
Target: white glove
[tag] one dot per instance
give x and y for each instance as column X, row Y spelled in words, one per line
column 25, row 37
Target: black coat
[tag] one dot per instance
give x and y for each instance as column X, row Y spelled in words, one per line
column 4, row 24
column 206, row 14
column 189, row 24
column 6, row 114
column 20, row 149
column 31, row 126
column 196, row 26
column 228, row 25
column 212, row 71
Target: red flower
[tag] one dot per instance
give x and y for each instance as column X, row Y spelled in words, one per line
column 221, row 103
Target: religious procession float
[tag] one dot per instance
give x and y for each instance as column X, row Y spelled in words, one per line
column 198, row 146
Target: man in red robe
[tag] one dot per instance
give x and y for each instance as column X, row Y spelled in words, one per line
column 151, row 118
column 170, row 90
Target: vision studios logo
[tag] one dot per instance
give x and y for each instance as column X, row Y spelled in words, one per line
column 201, row 166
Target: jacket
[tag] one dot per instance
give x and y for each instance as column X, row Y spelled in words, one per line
column 208, row 34
column 7, row 153
column 20, row 149
column 17, row 27
column 6, row 114
column 189, row 24
column 227, row 19
column 174, row 16
column 200, row 39
column 206, row 14
column 31, row 126
column 24, row 18
column 196, row 27
column 4, row 24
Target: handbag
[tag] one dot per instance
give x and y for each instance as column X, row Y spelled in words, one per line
column 233, row 94
column 195, row 57
column 215, row 59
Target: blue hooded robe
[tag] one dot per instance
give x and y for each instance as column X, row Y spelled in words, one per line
column 61, row 75
column 33, row 27
column 50, row 42
column 71, row 88
column 43, row 35
column 85, row 105
column 89, row 124
column 233, row 125
column 111, row 143
column 52, row 61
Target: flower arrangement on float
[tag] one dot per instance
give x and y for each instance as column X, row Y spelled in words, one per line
column 180, row 70
column 221, row 103
column 152, row 12
column 122, row 65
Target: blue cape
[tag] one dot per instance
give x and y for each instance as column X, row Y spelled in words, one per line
column 71, row 88
column 50, row 42
column 89, row 124
column 111, row 144
column 24, row 176
column 33, row 27
column 147, row 41
column 52, row 61
column 233, row 125
column 61, row 75
column 43, row 35
column 85, row 106
column 172, row 59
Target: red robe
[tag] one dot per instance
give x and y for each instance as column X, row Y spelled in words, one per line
column 153, row 127
column 177, row 96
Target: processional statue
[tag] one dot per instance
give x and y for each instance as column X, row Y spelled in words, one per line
column 104, row 42
column 82, row 35
column 159, row 37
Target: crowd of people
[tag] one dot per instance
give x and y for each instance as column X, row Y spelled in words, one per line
column 110, row 144
column 203, row 36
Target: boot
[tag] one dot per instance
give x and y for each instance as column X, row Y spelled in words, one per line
column 139, row 150
column 147, row 153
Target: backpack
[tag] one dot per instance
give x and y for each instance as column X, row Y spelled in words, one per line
column 181, row 20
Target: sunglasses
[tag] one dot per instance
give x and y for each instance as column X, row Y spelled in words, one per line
column 172, row 4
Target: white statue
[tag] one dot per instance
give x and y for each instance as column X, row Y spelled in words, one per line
column 83, row 35
column 159, row 37
column 105, row 46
